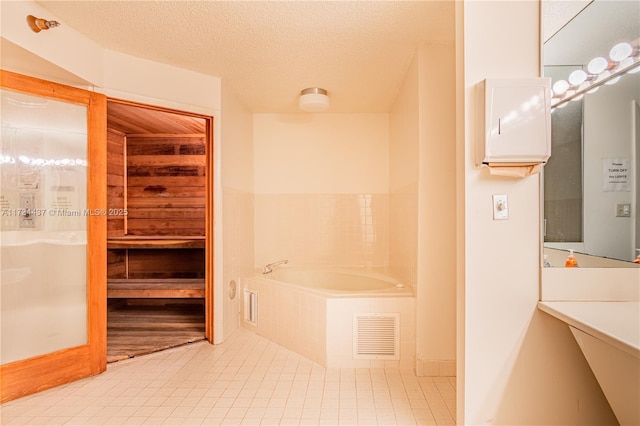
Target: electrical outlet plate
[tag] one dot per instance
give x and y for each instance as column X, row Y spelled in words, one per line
column 500, row 207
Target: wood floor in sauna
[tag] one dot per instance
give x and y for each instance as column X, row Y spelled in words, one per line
column 141, row 327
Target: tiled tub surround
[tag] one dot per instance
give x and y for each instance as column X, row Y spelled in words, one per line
column 318, row 324
column 403, row 234
column 327, row 229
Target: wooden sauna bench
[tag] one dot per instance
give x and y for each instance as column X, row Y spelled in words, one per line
column 127, row 287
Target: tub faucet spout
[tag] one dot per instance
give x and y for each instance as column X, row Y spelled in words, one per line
column 269, row 267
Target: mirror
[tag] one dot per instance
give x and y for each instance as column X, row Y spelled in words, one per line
column 592, row 178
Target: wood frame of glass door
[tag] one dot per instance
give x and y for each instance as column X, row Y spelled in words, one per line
column 34, row 374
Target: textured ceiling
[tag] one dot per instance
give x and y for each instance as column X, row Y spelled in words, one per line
column 557, row 13
column 591, row 31
column 268, row 51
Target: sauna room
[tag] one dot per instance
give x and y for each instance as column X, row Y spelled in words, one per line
column 156, row 250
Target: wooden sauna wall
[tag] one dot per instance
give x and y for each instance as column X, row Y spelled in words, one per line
column 162, row 188
column 166, row 185
column 115, row 182
column 115, row 200
column 166, row 263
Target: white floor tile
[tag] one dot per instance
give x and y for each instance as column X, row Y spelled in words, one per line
column 247, row 380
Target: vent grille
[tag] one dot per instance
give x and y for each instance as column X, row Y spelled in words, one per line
column 376, row 336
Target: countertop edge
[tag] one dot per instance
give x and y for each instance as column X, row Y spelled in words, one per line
column 607, row 336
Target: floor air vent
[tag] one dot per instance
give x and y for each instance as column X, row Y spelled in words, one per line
column 376, row 336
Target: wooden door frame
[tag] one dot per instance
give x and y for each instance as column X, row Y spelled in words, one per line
column 41, row 372
column 209, row 204
column 209, row 227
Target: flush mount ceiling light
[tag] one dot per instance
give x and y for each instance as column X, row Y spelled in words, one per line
column 313, row 99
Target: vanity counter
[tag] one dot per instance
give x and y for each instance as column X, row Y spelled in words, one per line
column 616, row 323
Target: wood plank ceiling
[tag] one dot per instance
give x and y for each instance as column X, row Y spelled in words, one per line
column 133, row 119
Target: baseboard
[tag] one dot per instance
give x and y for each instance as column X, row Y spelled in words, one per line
column 436, row 368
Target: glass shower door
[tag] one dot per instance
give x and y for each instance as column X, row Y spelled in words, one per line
column 52, row 217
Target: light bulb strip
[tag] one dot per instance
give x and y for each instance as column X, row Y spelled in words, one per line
column 593, row 80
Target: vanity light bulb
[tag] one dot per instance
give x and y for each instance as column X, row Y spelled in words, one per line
column 634, row 70
column 560, row 86
column 577, row 77
column 620, row 52
column 597, row 65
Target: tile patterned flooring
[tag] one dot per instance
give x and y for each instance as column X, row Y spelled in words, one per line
column 247, row 380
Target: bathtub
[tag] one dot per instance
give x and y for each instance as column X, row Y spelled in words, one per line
column 321, row 313
column 341, row 282
column 43, row 302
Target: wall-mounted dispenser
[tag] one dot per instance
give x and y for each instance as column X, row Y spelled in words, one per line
column 516, row 115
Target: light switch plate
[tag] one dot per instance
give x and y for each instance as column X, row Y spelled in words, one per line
column 500, row 207
column 623, row 210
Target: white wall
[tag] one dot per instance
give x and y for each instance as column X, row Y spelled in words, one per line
column 236, row 175
column 516, row 365
column 64, row 47
column 404, row 140
column 436, row 295
column 422, row 202
column 132, row 78
column 237, row 151
column 321, row 153
column 404, row 131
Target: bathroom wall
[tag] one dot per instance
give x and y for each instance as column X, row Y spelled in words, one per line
column 436, row 295
column 236, row 174
column 516, row 365
column 404, row 137
column 63, row 53
column 135, row 79
column 422, row 185
column 321, row 183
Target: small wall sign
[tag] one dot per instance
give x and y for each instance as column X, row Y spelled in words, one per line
column 617, row 174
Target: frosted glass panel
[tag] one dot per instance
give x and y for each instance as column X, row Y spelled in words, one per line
column 43, row 234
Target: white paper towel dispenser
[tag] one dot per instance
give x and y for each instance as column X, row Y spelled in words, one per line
column 517, row 122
